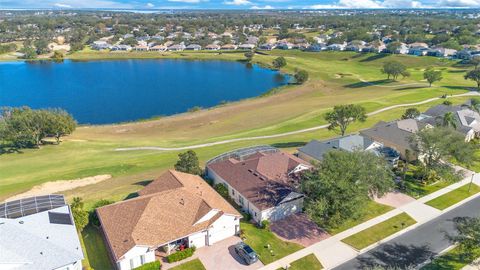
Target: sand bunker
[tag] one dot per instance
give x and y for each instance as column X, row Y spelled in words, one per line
column 61, row 185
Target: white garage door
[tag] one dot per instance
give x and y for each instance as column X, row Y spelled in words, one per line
column 219, row 235
column 198, row 240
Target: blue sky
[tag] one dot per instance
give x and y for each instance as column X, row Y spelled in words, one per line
column 238, row 4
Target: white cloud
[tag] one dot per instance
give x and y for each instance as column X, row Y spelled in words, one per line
column 459, row 3
column 80, row 4
column 238, row 2
column 150, row 5
column 402, row 4
column 352, row 4
column 359, row 4
column 264, row 7
column 188, row 1
column 276, row 1
column 60, row 5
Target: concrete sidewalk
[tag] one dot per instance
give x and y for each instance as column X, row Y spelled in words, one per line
column 474, row 266
column 332, row 251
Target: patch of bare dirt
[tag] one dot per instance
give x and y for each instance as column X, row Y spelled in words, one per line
column 61, row 185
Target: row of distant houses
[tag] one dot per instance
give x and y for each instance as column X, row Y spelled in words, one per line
column 418, row 49
column 103, row 45
column 179, row 210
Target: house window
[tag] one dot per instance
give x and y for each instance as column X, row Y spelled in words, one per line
column 240, row 199
column 132, row 265
column 142, row 259
column 233, row 192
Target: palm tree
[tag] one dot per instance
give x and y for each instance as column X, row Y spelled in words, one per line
column 448, row 120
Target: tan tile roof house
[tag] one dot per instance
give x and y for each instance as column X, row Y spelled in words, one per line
column 264, row 184
column 175, row 208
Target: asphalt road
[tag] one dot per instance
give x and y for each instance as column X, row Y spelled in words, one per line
column 416, row 246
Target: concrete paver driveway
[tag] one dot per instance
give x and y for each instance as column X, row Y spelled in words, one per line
column 222, row 256
column 299, row 229
column 395, row 199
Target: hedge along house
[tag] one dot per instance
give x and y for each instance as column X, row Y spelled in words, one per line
column 262, row 180
column 176, row 210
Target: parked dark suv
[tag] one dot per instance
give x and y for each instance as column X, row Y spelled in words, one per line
column 246, row 252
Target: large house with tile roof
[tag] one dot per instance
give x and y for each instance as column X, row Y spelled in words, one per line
column 176, row 210
column 264, row 182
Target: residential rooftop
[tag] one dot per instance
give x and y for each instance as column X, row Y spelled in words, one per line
column 316, row 149
column 41, row 239
column 264, row 179
column 167, row 209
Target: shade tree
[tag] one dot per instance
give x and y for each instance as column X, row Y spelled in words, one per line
column 411, row 113
column 340, row 187
column 432, row 76
column 188, row 163
column 393, row 69
column 343, row 115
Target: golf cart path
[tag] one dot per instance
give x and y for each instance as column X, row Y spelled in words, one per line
column 156, row 148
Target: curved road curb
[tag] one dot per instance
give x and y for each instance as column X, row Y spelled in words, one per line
column 156, row 148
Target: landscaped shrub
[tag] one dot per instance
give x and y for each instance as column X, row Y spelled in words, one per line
column 150, row 266
column 265, row 225
column 181, row 255
column 222, row 190
column 246, row 216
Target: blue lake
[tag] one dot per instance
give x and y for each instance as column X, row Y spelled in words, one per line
column 102, row 92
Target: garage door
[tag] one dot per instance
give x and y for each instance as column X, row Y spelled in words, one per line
column 219, row 235
column 198, row 240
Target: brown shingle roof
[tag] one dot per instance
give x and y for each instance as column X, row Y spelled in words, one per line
column 263, row 179
column 167, row 209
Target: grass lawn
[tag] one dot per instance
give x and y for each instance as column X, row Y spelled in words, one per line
column 454, row 196
column 452, row 260
column 191, row 265
column 380, row 231
column 258, row 239
column 417, row 190
column 85, row 261
column 95, row 249
column 334, row 79
column 309, row 262
column 373, row 210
